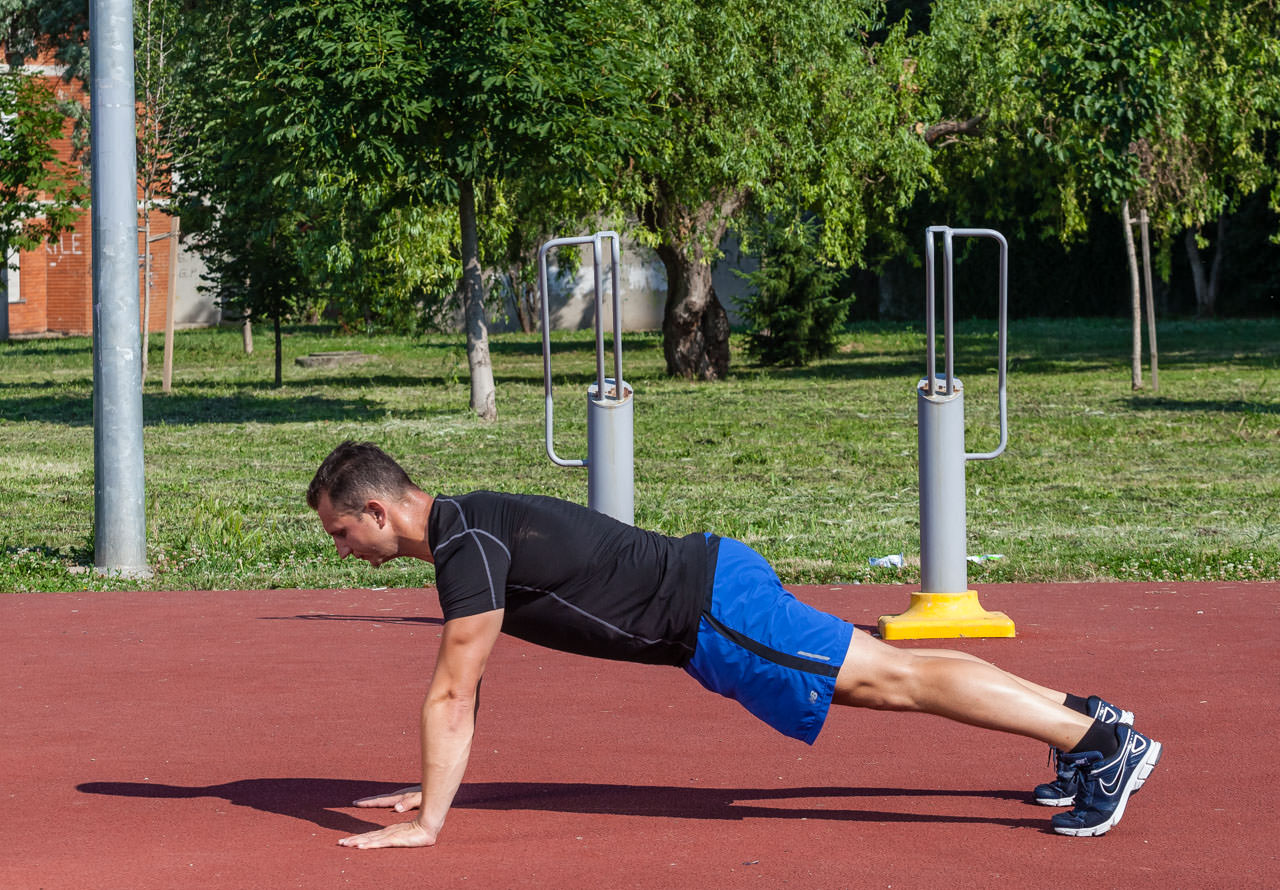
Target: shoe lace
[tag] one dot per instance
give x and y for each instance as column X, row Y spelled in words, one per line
column 1065, row 769
column 1087, row 783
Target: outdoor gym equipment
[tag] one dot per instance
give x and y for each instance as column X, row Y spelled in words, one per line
column 945, row 607
column 609, row 461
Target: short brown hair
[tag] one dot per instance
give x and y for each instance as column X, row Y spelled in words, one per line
column 354, row 472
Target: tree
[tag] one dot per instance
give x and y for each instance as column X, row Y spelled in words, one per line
column 776, row 106
column 245, row 215
column 1164, row 105
column 438, row 99
column 161, row 80
column 40, row 195
column 796, row 308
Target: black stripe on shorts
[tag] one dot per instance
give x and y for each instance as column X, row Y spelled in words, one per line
column 785, row 659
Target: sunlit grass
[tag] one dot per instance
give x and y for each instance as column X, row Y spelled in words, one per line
column 816, row 467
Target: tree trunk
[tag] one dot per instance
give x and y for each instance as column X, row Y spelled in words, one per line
column 1135, row 292
column 166, row 367
column 483, row 399
column 1199, row 280
column 1206, row 286
column 1215, row 268
column 246, row 334
column 1153, row 349
column 146, row 281
column 275, row 319
column 695, row 327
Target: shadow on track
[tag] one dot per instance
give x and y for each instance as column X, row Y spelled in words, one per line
column 371, row 619
column 315, row 800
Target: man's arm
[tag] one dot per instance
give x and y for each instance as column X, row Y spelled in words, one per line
column 448, row 723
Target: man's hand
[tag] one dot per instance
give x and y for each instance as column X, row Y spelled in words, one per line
column 401, row 801
column 405, row 834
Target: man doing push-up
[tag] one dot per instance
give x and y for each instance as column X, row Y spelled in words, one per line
column 566, row 577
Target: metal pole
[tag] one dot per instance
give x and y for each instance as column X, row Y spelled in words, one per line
column 943, row 566
column 945, row 607
column 119, row 504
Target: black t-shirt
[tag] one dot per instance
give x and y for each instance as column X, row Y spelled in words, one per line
column 568, row 577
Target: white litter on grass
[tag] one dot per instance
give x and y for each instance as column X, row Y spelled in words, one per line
column 894, row 561
column 986, row 557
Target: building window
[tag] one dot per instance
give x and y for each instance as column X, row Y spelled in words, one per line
column 11, row 278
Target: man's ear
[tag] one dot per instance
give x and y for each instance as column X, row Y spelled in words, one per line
column 377, row 511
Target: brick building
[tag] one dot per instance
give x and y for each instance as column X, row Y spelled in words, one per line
column 50, row 289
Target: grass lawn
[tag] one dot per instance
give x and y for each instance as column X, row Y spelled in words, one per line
column 815, row 467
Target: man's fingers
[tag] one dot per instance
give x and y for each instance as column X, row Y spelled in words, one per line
column 409, row 802
column 405, row 834
column 404, row 799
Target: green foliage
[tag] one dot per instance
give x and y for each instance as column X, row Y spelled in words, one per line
column 40, row 196
column 163, row 79
column 796, row 309
column 1088, row 103
column 28, row 27
column 776, row 104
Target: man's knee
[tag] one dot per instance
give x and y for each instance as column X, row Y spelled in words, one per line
column 883, row 680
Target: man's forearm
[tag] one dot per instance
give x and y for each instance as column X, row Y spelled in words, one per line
column 448, row 725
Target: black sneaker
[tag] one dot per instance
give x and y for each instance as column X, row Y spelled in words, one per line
column 1061, row 792
column 1105, row 785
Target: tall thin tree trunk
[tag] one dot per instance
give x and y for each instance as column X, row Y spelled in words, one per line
column 1151, row 303
column 1215, row 268
column 483, row 397
column 1199, row 281
column 146, row 279
column 275, row 319
column 170, row 299
column 1135, row 297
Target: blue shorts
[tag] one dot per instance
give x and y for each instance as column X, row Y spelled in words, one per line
column 762, row 647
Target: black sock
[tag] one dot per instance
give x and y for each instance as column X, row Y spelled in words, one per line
column 1101, row 737
column 1077, row 704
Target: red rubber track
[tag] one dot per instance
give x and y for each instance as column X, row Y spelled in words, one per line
column 173, row 740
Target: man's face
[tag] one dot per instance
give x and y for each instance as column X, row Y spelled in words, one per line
column 365, row 535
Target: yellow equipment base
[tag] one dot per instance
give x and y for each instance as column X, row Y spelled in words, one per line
column 934, row 616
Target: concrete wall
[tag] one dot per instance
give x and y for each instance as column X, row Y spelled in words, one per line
column 642, row 288
column 191, row 308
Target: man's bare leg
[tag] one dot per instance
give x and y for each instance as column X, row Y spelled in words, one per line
column 957, row 686
column 1052, row 694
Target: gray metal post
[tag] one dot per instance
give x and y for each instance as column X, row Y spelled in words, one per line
column 945, row 607
column 119, row 503
column 610, row 407
column 943, row 566
column 940, row 401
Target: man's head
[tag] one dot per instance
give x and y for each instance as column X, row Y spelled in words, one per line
column 358, row 492
column 353, row 474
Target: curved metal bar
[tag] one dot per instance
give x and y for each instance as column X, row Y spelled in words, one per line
column 544, row 297
column 544, row 293
column 1002, row 338
column 615, row 270
column 599, row 294
column 930, row 333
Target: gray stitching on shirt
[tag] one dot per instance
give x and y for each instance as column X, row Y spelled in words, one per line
column 583, row 612
column 474, row 534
